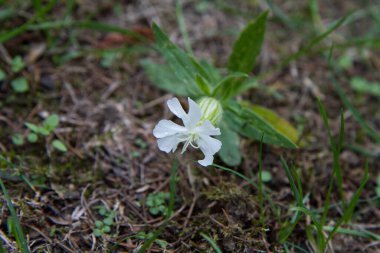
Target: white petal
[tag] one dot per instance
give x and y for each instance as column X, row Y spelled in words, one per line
column 208, row 128
column 209, row 147
column 208, row 144
column 176, row 108
column 194, row 114
column 206, row 161
column 166, row 128
column 168, row 143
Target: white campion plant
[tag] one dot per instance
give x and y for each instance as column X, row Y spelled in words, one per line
column 198, row 127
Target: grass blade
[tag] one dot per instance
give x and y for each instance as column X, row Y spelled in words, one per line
column 182, row 26
column 314, row 42
column 336, row 150
column 347, row 214
column 19, row 235
column 293, row 185
column 353, row 232
column 237, row 174
column 7, row 35
column 363, row 124
column 261, row 199
column 85, row 24
column 285, row 233
column 212, row 243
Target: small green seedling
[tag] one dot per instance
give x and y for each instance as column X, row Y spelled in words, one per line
column 345, row 62
column 361, row 85
column 108, row 58
column 20, row 85
column 378, row 186
column 18, row 139
column 156, row 202
column 45, row 130
column 104, row 226
column 136, row 154
column 17, row 64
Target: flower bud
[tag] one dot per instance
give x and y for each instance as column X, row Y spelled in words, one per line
column 211, row 110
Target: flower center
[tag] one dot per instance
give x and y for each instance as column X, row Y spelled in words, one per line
column 191, row 139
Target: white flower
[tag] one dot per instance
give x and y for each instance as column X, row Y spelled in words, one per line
column 194, row 133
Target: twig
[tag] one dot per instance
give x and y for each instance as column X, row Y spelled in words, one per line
column 174, row 215
column 191, row 209
column 84, row 202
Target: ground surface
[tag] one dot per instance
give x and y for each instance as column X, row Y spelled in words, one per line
column 108, row 108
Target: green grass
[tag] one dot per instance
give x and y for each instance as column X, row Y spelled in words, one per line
column 316, row 232
column 213, row 244
column 361, row 121
column 14, row 223
column 41, row 12
column 182, row 26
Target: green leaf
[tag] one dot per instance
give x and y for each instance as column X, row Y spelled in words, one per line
column 207, row 71
column 161, row 243
column 32, row 137
column 248, row 45
column 32, row 127
column 51, row 122
column 36, row 129
column 17, row 64
column 363, row 86
column 250, row 124
column 202, row 85
column 179, row 62
column 227, row 86
column 163, row 77
column 57, row 144
column 240, row 87
column 20, row 85
column 266, row 176
column 18, row 139
column 230, row 150
column 102, row 211
column 107, row 229
column 345, row 61
column 108, row 58
column 154, row 210
column 108, row 221
column 3, row 75
column 98, row 232
column 98, row 224
column 278, row 123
